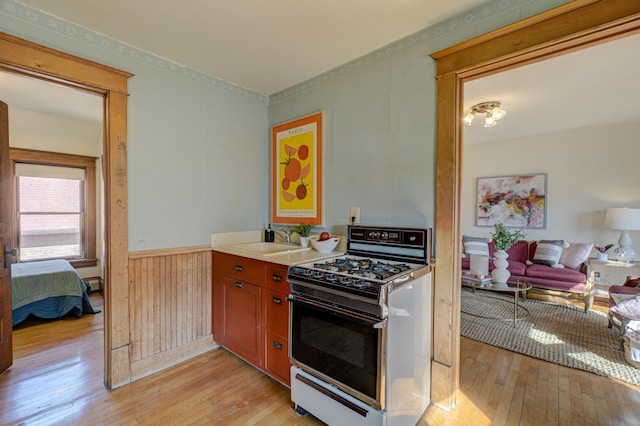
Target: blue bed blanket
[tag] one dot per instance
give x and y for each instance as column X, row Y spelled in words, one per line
column 47, row 289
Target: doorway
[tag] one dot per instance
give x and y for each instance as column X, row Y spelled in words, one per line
column 567, row 28
column 49, row 65
column 50, row 118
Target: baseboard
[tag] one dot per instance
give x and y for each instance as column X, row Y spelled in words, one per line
column 164, row 360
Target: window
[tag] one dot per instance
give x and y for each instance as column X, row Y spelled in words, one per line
column 50, row 212
column 54, row 207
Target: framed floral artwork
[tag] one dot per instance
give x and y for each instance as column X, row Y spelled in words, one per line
column 296, row 170
column 518, row 201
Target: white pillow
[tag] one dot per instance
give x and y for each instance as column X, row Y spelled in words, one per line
column 475, row 245
column 621, row 297
column 629, row 308
column 575, row 255
column 548, row 252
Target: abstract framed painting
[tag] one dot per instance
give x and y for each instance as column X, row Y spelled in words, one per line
column 516, row 201
column 297, row 171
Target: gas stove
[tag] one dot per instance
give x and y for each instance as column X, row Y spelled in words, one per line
column 359, row 326
column 378, row 259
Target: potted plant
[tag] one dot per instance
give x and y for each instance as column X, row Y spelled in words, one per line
column 503, row 240
column 304, row 230
column 602, row 251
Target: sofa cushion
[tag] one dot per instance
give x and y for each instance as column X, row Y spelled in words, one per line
column 516, row 268
column 517, row 253
column 549, row 273
column 632, row 282
column 475, row 245
column 557, row 284
column 575, row 255
column 548, row 252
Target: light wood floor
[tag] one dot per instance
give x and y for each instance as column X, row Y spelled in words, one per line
column 57, row 379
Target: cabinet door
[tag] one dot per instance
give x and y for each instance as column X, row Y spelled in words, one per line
column 277, row 358
column 241, row 319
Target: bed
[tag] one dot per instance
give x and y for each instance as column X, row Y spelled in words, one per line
column 47, row 289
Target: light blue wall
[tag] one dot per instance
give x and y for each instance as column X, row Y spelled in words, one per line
column 380, row 113
column 199, row 147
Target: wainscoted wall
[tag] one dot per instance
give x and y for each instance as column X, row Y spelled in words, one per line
column 169, row 306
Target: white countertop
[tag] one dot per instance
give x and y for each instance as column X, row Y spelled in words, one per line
column 227, row 242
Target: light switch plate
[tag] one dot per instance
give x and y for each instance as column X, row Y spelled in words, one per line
column 354, row 215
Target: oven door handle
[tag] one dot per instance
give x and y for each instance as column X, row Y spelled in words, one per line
column 352, row 316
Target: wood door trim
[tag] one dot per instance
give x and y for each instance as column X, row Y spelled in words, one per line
column 27, row 58
column 567, row 28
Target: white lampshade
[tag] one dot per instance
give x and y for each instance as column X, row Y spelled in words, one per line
column 479, row 265
column 622, row 219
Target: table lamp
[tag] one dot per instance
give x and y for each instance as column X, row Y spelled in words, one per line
column 623, row 219
column 479, row 266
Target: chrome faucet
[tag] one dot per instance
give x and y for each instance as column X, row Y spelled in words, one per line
column 285, row 235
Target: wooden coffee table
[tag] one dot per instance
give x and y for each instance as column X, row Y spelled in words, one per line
column 518, row 288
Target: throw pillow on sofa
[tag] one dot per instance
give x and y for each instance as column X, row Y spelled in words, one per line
column 548, row 252
column 475, row 245
column 632, row 282
column 575, row 255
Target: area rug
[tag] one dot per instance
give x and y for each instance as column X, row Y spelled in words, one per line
column 562, row 335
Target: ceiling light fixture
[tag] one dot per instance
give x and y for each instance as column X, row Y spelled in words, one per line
column 491, row 110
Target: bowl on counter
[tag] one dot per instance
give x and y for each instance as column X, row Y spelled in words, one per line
column 325, row 246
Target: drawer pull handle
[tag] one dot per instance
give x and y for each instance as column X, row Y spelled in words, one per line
column 238, row 268
column 276, row 301
column 277, row 278
column 277, row 345
column 239, row 284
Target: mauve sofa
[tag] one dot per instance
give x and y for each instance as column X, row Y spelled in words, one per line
column 566, row 280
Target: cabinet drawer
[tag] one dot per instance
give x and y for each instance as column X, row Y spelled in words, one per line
column 277, row 278
column 277, row 358
column 237, row 267
column 276, row 312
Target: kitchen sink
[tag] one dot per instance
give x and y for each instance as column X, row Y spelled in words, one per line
column 269, row 249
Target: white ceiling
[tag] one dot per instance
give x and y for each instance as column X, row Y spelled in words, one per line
column 34, row 95
column 262, row 45
column 592, row 86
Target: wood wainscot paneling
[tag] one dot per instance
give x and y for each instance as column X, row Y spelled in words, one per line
column 169, row 307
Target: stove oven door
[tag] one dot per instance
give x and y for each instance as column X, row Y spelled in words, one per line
column 341, row 348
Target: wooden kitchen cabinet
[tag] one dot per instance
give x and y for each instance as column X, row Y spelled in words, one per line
column 240, row 314
column 276, row 324
column 251, row 312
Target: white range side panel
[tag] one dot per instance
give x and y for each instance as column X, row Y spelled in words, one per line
column 409, row 352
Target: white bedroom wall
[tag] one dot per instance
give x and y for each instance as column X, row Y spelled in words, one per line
column 46, row 132
column 588, row 170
